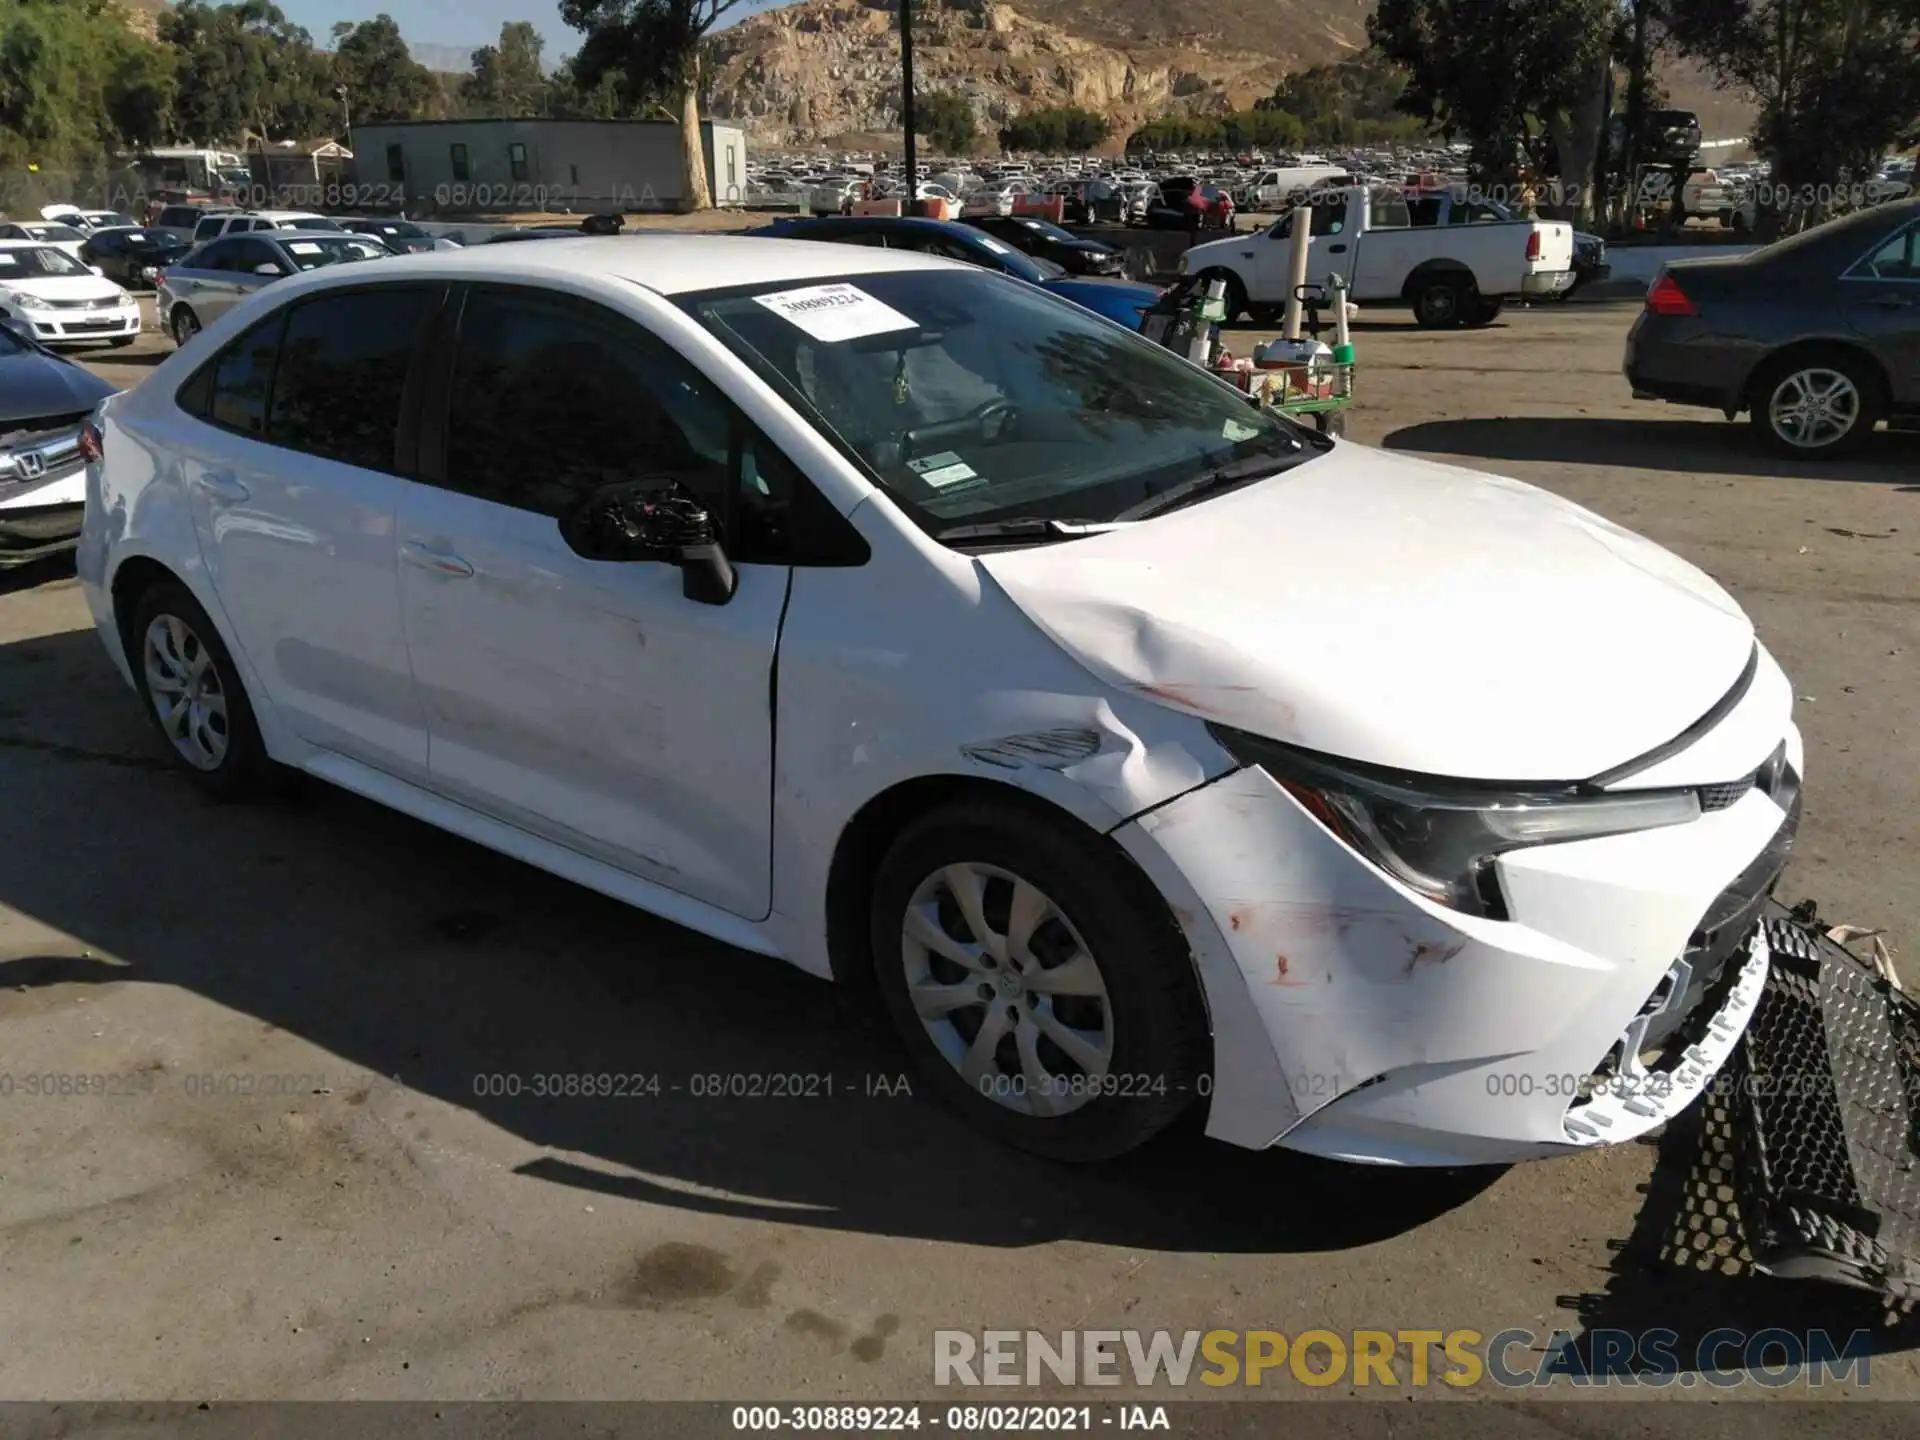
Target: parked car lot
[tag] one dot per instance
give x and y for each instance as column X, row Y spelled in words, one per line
column 425, row 1235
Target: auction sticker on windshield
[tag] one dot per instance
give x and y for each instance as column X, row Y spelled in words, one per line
column 943, row 469
column 303, row 247
column 836, row 312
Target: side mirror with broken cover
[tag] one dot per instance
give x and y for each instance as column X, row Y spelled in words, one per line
column 654, row 518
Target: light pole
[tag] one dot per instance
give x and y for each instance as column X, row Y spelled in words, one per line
column 346, row 107
column 906, row 106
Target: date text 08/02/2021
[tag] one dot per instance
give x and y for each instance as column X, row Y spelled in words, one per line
column 954, row 1419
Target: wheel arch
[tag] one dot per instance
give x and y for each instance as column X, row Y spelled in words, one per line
column 132, row 578
column 873, row 828
column 1427, row 271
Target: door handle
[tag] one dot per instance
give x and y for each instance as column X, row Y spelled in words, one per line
column 1891, row 302
column 440, row 562
column 1336, row 249
column 222, row 485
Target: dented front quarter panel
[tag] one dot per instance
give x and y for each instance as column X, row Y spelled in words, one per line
column 960, row 683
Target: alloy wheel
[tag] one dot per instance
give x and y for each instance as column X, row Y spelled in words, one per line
column 1814, row 408
column 1007, row 990
column 184, row 684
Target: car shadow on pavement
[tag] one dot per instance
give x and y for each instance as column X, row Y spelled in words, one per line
column 1712, row 447
column 755, row 1091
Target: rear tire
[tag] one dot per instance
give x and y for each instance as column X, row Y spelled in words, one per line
column 185, row 325
column 1442, row 304
column 1817, row 405
column 1098, row 1034
column 193, row 695
column 1485, row 312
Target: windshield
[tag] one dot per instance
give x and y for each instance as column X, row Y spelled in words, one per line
column 1050, row 230
column 312, row 254
column 60, row 233
column 37, row 262
column 971, row 398
column 103, row 219
column 309, row 222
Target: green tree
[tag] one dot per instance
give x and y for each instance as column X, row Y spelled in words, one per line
column 1066, row 127
column 243, row 71
column 946, row 121
column 651, row 49
column 1492, row 72
column 1838, row 81
column 382, row 79
column 508, row 79
column 604, row 99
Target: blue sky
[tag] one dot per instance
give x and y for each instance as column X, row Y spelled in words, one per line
column 467, row 23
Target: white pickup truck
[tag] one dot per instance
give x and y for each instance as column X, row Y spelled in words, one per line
column 1458, row 275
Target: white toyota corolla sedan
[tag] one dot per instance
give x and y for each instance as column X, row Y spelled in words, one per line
column 899, row 620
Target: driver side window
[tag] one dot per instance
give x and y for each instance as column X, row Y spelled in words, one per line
column 550, row 402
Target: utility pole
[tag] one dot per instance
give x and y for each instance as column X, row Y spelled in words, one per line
column 346, row 107
column 912, row 206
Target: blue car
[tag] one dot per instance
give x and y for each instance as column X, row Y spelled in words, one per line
column 1122, row 301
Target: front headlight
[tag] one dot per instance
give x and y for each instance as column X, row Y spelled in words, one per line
column 1440, row 838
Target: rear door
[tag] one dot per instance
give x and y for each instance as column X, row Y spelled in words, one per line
column 294, row 483
column 1881, row 297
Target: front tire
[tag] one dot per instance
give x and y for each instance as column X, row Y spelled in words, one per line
column 194, row 696
column 1037, row 981
column 1817, row 406
column 185, row 325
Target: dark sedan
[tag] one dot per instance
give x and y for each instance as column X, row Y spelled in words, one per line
column 44, row 404
column 1044, row 239
column 1817, row 337
column 1121, row 301
column 403, row 237
column 132, row 255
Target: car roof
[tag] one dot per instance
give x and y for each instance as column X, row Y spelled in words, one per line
column 668, row 264
column 26, row 245
column 888, row 222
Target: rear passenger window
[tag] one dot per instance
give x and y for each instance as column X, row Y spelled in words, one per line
column 242, row 379
column 343, row 366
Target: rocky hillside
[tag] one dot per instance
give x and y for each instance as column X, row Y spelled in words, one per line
column 829, row 70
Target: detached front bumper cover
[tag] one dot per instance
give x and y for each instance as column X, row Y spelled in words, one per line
column 1824, row 1095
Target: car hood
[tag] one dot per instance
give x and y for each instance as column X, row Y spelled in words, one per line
column 34, row 386
column 1392, row 610
column 68, row 287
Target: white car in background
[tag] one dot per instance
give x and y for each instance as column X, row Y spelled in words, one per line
column 46, row 293
column 897, row 619
column 87, row 221
column 59, row 235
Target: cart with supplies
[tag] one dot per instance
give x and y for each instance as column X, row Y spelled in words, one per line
column 1298, row 374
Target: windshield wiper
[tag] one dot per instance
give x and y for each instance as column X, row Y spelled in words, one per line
column 1025, row 527
column 1207, row 482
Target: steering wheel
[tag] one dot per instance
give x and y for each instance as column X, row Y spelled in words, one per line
column 989, row 421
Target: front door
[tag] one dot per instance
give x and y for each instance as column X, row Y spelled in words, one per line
column 588, row 701
column 291, row 470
